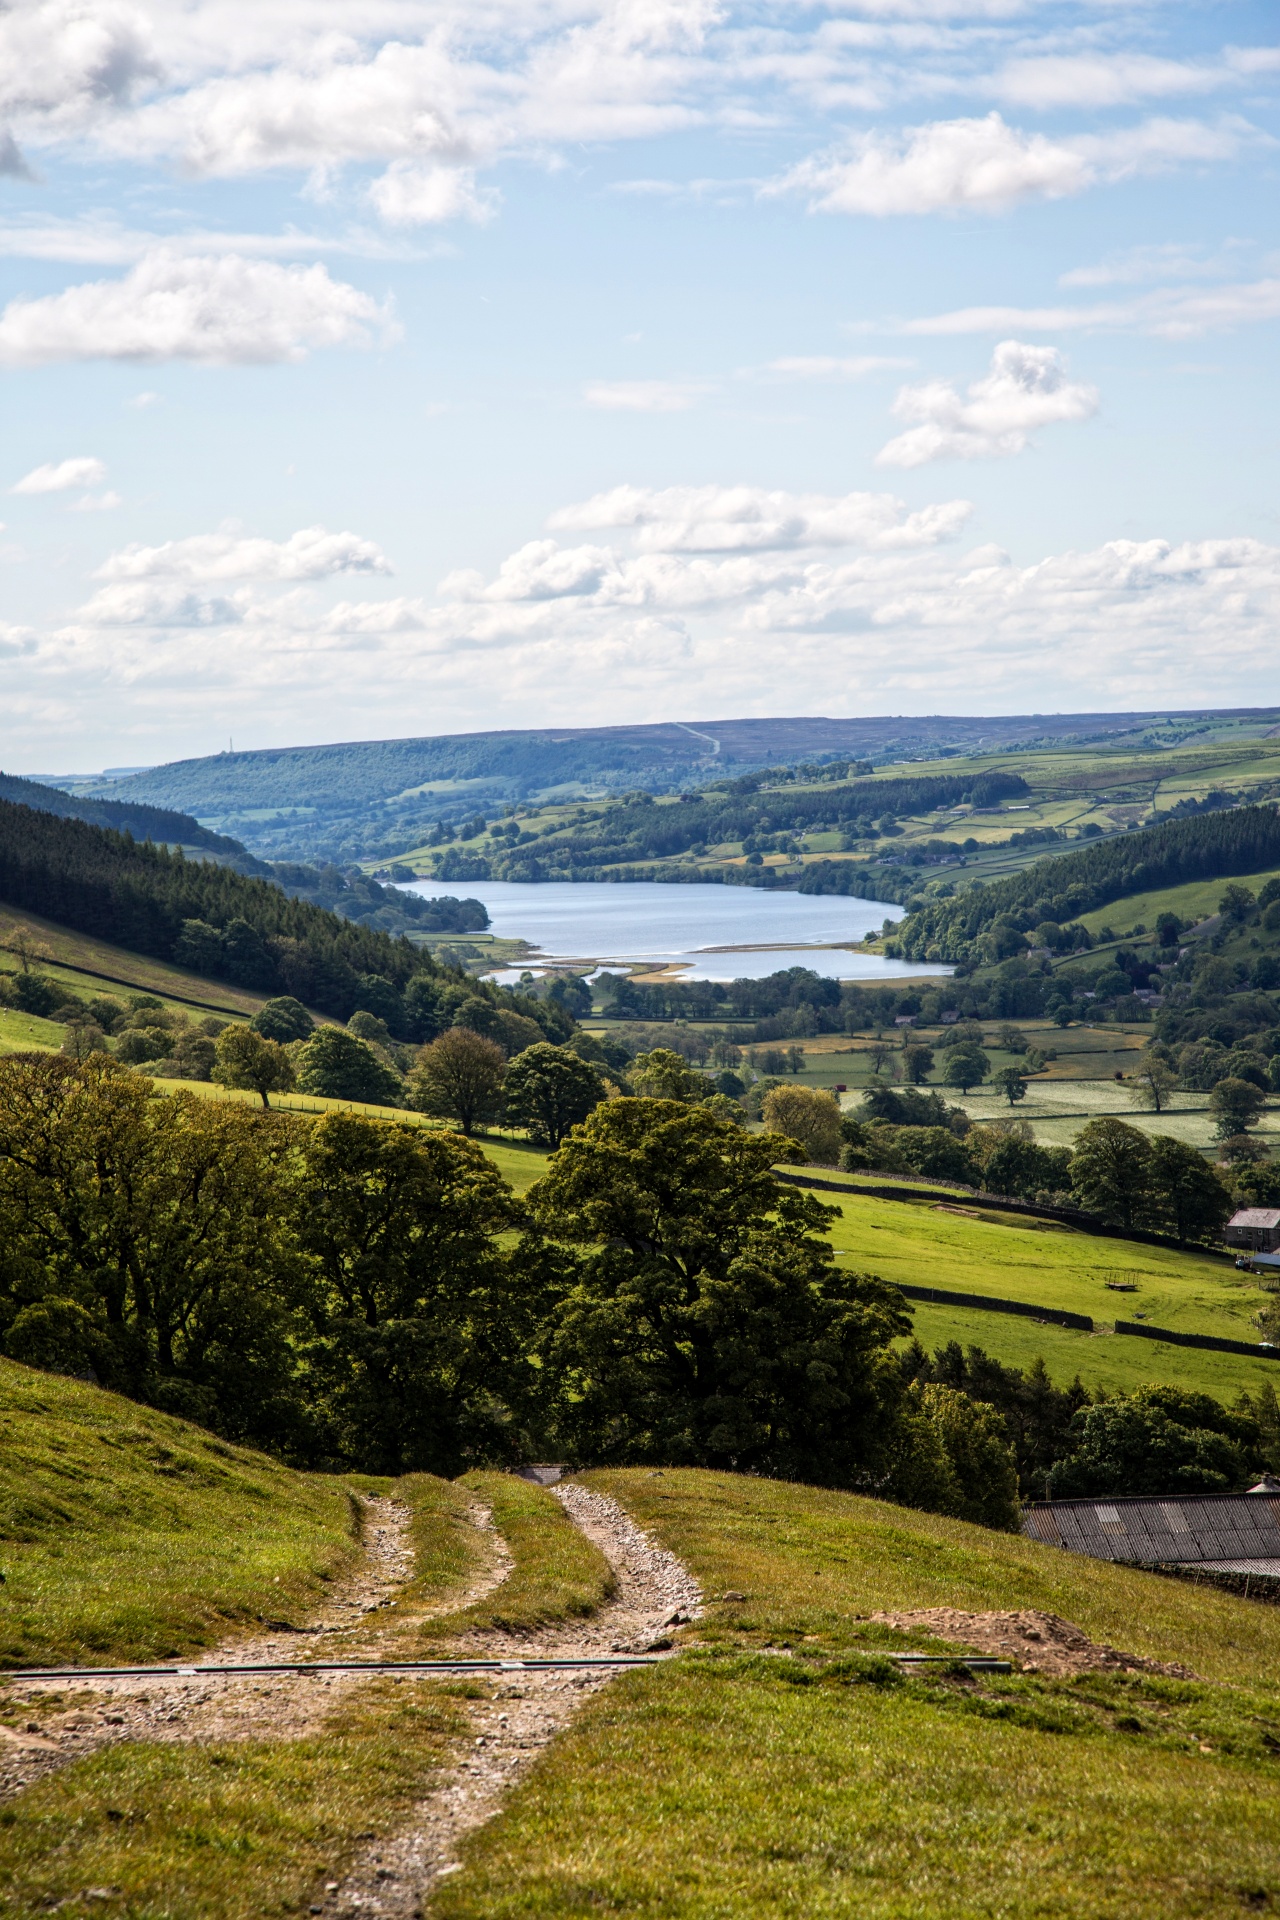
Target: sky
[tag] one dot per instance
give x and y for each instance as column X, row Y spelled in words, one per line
column 417, row 367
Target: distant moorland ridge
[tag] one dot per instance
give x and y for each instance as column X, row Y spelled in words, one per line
column 370, row 799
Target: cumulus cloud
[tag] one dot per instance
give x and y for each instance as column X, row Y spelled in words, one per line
column 1046, row 81
column 1026, row 388
column 748, row 519
column 57, row 476
column 217, row 309
column 643, row 396
column 97, row 502
column 985, row 165
column 310, row 554
column 409, row 195
column 569, row 632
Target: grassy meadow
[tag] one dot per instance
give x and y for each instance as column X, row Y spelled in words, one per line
column 782, row 1767
column 129, row 1535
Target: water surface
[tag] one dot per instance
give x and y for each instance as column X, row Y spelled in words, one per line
column 649, row 921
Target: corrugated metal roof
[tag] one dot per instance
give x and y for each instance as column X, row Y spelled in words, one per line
column 1183, row 1529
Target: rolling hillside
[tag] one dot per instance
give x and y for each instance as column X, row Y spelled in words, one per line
column 376, row 799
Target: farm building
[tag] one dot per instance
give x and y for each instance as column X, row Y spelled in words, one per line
column 1215, row 1533
column 1255, row 1228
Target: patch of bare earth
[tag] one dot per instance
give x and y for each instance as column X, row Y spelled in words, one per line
column 1038, row 1642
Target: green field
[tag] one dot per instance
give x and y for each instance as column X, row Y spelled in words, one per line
column 1014, row 1257
column 744, row 1781
column 126, row 1534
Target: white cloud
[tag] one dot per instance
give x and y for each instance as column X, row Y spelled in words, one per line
column 1176, row 313
column 169, row 307
column 57, row 476
column 643, row 396
column 144, row 400
column 1054, row 80
column 1026, row 388
column 310, row 554
column 986, row 165
column 97, row 502
column 409, row 195
column 577, row 634
column 751, row 519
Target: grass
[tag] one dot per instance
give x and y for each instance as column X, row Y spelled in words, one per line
column 128, row 1535
column 1115, row 1362
column 1017, row 1257
column 557, row 1574
column 1196, row 900
column 737, row 1783
column 725, row 1791
column 88, row 966
column 223, row 1831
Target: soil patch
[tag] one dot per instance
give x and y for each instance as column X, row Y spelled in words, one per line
column 1038, row 1642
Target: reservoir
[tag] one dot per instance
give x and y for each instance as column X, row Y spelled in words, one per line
column 708, row 932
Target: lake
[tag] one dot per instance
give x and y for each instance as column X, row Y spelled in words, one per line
column 648, row 922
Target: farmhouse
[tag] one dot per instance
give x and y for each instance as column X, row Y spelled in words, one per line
column 1256, row 1228
column 1216, row 1533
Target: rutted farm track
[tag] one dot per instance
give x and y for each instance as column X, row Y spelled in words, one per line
column 510, row 1726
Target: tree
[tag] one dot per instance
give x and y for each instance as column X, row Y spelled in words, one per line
column 1111, row 1171
column 966, row 1066
column 984, row 1473
column 917, row 1064
column 1236, row 904
column 1235, row 1106
column 548, row 1090
column 708, row 1324
column 1011, row 1083
column 243, row 1058
column 1022, row 1168
column 163, row 1222
column 1186, row 1191
column 809, row 1117
column 283, row 1019
column 663, row 1075
column 459, row 1076
column 1152, row 1084
column 337, row 1066
column 1155, row 1441
column 421, row 1318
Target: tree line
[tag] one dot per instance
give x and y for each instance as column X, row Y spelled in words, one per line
column 638, row 829
column 366, row 1296
column 124, row 816
column 1055, row 892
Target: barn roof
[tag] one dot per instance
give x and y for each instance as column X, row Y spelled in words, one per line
column 1185, row 1529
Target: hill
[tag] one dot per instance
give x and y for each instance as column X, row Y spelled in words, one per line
column 126, row 1534
column 783, row 1765
column 220, row 923
column 374, row 799
column 144, row 822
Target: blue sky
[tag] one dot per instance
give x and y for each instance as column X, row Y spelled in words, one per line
column 413, row 367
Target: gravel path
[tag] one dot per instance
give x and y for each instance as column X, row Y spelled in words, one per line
column 65, row 1722
column 510, row 1727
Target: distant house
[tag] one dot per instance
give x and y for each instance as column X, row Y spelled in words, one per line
column 1256, row 1228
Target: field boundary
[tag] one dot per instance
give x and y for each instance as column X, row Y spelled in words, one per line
column 1001, row 1203
column 990, row 1303
column 1254, row 1349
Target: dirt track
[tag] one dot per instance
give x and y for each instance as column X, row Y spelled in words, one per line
column 511, row 1727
